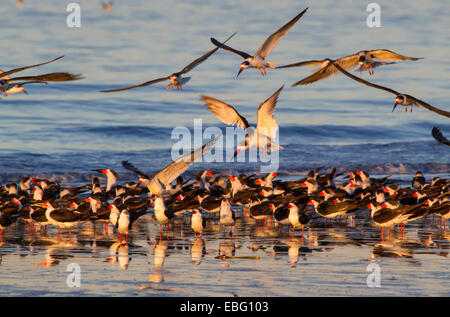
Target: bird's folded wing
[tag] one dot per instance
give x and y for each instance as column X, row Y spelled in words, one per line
column 275, row 37
column 226, row 113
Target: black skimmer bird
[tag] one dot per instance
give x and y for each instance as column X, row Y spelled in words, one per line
column 437, row 134
column 400, row 99
column 439, row 206
column 408, row 213
column 176, row 81
column 383, row 216
column 111, row 177
column 37, row 215
column 311, row 185
column 364, row 58
column 297, row 218
column 14, row 88
column 266, row 181
column 6, row 220
column 258, row 60
column 124, row 225
column 114, row 214
column 162, row 214
column 280, row 213
column 106, row 6
column 209, row 203
column 197, row 222
column 334, row 208
column 9, row 86
column 158, row 183
column 62, row 218
column 261, row 210
column 227, row 217
column 419, row 180
column 266, row 127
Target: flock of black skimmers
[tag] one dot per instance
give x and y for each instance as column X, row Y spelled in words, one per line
column 42, row 202
column 212, row 194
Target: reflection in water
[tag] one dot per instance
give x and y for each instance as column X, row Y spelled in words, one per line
column 198, row 251
column 159, row 254
column 251, row 246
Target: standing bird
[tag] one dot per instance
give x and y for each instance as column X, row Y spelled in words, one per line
column 197, row 222
column 259, row 59
column 176, row 81
column 6, row 221
column 364, row 58
column 62, row 218
column 401, row 99
column 162, row 214
column 266, row 127
column 226, row 215
column 296, row 218
column 124, row 225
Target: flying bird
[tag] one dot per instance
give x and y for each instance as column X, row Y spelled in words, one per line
column 158, row 183
column 368, row 59
column 266, row 127
column 401, row 99
column 259, row 59
column 9, row 89
column 8, row 85
column 107, row 5
column 176, row 80
column 437, row 134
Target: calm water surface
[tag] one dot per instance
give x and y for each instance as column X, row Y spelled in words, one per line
column 64, row 130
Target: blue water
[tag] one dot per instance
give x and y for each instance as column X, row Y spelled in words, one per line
column 64, row 130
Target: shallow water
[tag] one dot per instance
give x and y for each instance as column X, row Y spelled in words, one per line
column 328, row 259
column 64, row 130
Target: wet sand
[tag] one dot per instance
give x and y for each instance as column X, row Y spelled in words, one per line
column 329, row 259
